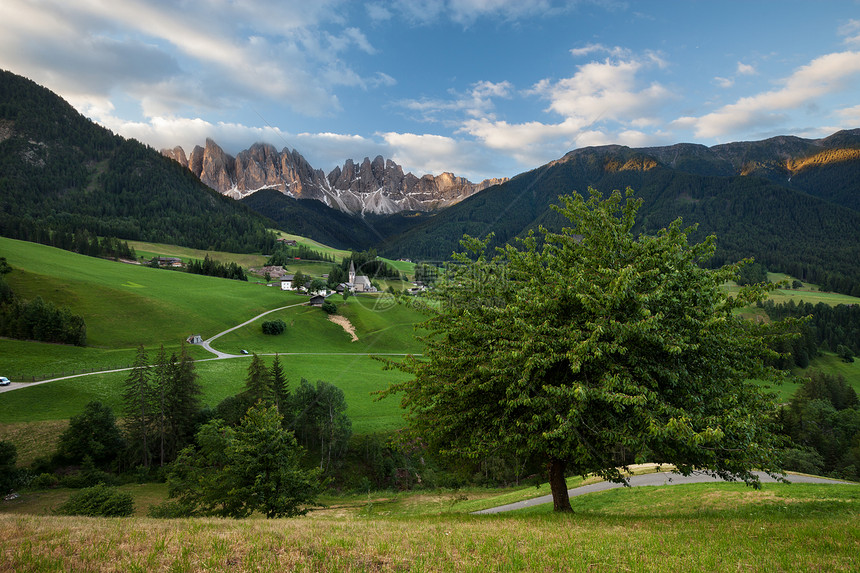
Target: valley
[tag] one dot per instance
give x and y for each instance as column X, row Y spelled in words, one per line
column 390, row 502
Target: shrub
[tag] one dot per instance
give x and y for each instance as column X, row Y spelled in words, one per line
column 98, row 501
column 274, row 326
column 44, row 481
column 88, row 476
column 170, row 509
column 329, row 307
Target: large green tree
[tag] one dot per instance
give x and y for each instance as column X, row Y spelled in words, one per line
column 320, row 420
column 234, row 472
column 92, row 433
column 592, row 347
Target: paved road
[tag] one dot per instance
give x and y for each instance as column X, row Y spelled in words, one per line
column 207, row 344
column 218, row 355
column 659, row 478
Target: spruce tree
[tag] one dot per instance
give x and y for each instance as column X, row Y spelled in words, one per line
column 258, row 384
column 280, row 390
column 184, row 402
column 161, row 391
column 138, row 408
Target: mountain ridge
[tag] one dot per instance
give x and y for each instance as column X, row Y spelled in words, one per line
column 804, row 220
column 371, row 187
column 61, row 174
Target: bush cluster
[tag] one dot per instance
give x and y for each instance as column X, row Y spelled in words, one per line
column 273, row 327
column 98, row 501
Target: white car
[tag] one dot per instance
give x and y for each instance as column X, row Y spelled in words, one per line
column 4, row 381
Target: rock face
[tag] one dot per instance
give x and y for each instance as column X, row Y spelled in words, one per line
column 377, row 186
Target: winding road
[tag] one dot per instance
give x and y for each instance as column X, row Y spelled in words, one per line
column 207, row 344
column 659, row 478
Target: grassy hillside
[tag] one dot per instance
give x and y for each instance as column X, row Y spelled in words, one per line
column 149, row 250
column 309, row 330
column 357, row 376
column 127, row 305
column 700, row 527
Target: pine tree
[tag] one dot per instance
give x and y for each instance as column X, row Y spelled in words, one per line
column 280, row 390
column 161, row 383
column 184, row 401
column 137, row 407
column 258, row 384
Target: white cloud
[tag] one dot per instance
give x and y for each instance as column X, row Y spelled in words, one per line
column 466, row 12
column 207, row 54
column 615, row 51
column 428, row 153
column 603, row 102
column 724, row 82
column 746, row 69
column 478, row 102
column 851, row 31
column 850, row 116
column 606, row 90
column 378, row 12
column 828, row 74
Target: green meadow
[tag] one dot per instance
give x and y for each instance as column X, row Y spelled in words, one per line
column 127, row 305
column 697, row 527
column 380, row 325
column 358, row 376
column 338, row 254
column 700, row 527
column 807, row 293
column 149, row 250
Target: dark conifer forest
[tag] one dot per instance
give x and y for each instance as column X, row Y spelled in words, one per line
column 62, row 174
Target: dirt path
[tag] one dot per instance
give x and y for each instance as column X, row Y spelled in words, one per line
column 345, row 324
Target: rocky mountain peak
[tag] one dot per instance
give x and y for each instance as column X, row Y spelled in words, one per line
column 376, row 186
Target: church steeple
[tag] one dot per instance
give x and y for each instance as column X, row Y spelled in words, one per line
column 351, row 273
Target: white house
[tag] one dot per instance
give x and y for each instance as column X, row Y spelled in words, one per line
column 287, row 282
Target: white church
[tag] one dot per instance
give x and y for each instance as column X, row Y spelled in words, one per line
column 359, row 283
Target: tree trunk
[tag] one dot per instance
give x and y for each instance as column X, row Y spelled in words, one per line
column 558, row 485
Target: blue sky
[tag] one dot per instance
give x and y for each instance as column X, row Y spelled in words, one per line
column 481, row 88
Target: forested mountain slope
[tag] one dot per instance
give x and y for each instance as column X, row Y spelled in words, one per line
column 61, row 172
column 315, row 220
column 786, row 229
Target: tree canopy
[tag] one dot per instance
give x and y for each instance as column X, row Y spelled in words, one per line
column 592, row 348
column 234, row 472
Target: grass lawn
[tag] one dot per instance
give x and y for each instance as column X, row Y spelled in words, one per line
column 149, row 250
column 21, row 360
column 808, row 293
column 380, row 327
column 126, row 305
column 357, row 376
column 828, row 363
column 405, row 267
column 33, row 439
column 832, row 364
column 697, row 527
column 338, row 254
